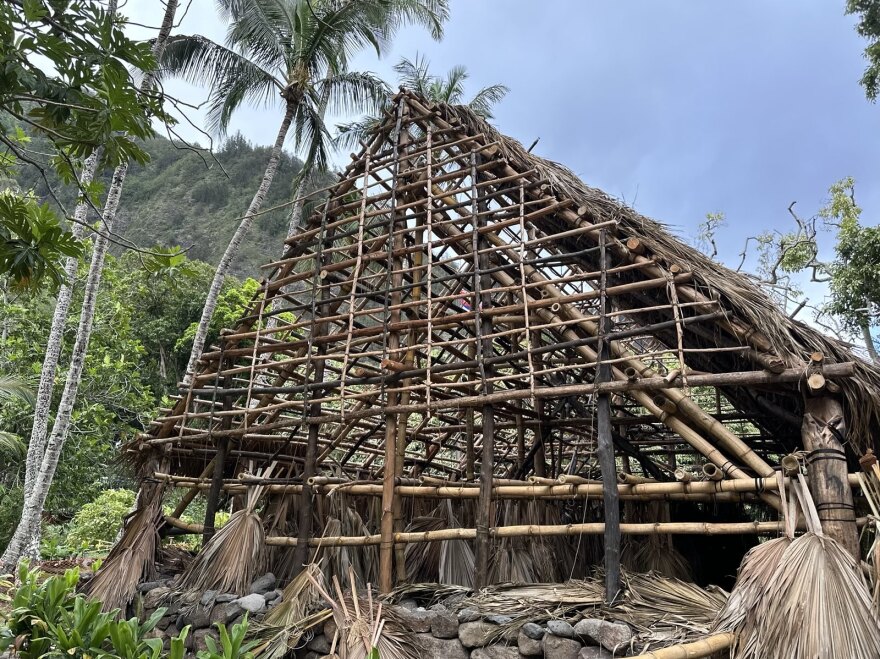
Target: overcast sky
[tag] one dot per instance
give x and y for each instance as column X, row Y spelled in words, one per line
column 679, row 107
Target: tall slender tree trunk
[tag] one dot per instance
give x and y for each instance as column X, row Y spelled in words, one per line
column 26, row 539
column 46, row 387
column 235, row 244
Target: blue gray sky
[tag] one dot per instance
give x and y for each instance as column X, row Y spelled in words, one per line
column 679, row 107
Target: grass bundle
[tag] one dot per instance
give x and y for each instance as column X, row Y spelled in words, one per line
column 656, row 552
column 301, row 608
column 132, row 558
column 363, row 629
column 457, row 563
column 802, row 598
column 360, row 561
column 234, row 555
column 422, row 559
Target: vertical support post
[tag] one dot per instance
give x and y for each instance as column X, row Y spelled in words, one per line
column 222, row 445
column 607, row 461
column 394, row 281
column 483, row 325
column 304, row 530
column 823, row 431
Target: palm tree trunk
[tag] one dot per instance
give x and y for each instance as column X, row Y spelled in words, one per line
column 26, row 539
column 234, row 244
column 56, row 338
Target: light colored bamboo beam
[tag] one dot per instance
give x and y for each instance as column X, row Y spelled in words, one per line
column 705, row 647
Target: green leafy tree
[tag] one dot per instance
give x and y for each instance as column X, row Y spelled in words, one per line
column 868, row 12
column 98, row 522
column 296, row 52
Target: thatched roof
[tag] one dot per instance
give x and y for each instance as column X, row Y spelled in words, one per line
column 789, row 339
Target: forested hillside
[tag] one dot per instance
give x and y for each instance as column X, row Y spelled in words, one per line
column 193, row 199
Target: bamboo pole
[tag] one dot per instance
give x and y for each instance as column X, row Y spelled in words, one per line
column 705, row 647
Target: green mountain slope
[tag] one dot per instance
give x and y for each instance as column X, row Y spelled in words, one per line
column 183, row 198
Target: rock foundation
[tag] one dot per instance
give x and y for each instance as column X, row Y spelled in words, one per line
column 439, row 632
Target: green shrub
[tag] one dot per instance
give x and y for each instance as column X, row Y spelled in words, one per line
column 97, row 523
column 46, row 618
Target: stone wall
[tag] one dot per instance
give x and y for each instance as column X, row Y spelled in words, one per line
column 440, row 632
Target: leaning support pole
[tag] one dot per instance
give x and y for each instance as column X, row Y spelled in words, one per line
column 824, row 432
column 606, row 445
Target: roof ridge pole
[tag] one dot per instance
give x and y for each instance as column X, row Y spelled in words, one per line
column 483, row 326
column 607, row 461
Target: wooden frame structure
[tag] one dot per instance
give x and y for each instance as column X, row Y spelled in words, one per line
column 461, row 320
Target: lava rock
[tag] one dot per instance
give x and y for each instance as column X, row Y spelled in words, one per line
column 476, row 634
column 319, row 644
column 330, row 628
column 595, row 652
column 222, row 598
column 560, row 628
column 226, row 613
column 559, row 647
column 444, row 624
column 529, row 646
column 533, row 630
column 253, row 603
column 408, row 603
column 199, row 637
column 208, row 598
column 496, row 652
column 498, row 619
column 469, row 615
column 432, row 647
column 418, row 621
column 147, row 586
column 197, row 618
column 263, row 584
column 610, row 635
column 154, row 598
column 273, row 595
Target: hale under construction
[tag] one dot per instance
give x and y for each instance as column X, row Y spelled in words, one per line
column 466, row 350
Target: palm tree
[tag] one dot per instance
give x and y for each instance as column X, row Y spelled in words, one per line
column 416, row 75
column 12, row 447
column 295, row 52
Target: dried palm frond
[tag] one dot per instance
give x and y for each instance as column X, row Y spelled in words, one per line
column 423, row 558
column 748, row 600
column 234, row 555
column 133, row 557
column 819, row 605
column 457, row 563
column 659, row 602
column 363, row 627
column 300, row 609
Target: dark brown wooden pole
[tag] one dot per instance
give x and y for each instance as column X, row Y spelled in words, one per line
column 219, row 464
column 607, row 461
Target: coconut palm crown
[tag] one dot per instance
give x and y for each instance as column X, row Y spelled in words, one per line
column 296, row 51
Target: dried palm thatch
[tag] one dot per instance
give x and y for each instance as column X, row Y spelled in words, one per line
column 655, row 552
column 664, row 610
column 815, row 604
column 300, row 610
column 363, row 628
column 423, row 558
column 132, row 558
column 360, row 561
column 819, row 605
column 456, row 565
column 522, row 560
column 234, row 555
column 870, row 484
